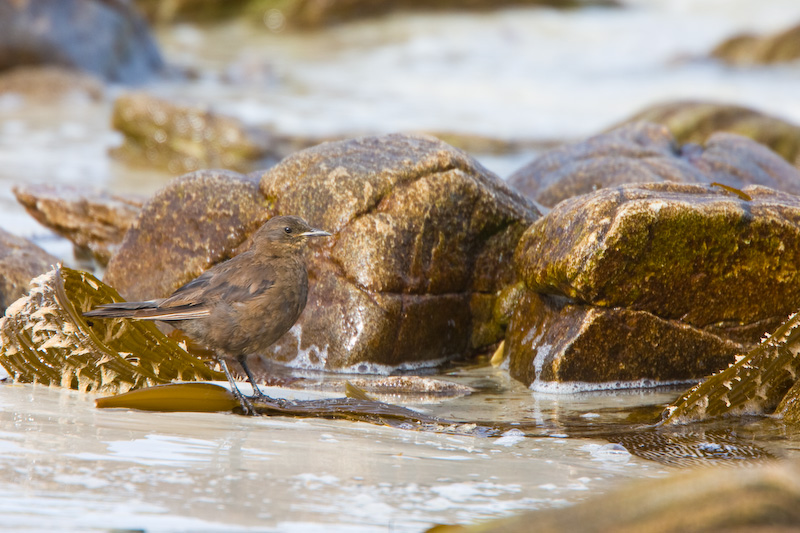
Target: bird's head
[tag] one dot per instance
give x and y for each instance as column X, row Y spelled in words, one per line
column 290, row 231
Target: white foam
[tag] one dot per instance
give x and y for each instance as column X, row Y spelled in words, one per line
column 316, row 358
column 576, row 387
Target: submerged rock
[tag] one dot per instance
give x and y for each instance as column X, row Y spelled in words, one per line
column 20, row 260
column 696, row 121
column 656, row 281
column 92, row 220
column 107, row 39
column 197, row 220
column 642, row 152
column 763, row 498
column 749, row 49
column 423, row 242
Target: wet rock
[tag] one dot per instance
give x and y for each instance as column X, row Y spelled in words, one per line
column 553, row 340
column 696, row 261
column 695, row 122
column 105, row 38
column 763, row 498
column 184, row 138
column 423, row 245
column 92, row 220
column 48, row 83
column 643, row 152
column 20, row 261
column 197, row 220
column 749, row 49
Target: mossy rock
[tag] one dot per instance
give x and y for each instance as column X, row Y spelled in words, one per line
column 658, row 281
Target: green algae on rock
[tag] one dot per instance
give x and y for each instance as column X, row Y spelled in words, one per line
column 756, row 384
column 643, row 152
column 45, row 339
column 695, row 121
column 195, row 221
column 423, row 246
column 687, row 275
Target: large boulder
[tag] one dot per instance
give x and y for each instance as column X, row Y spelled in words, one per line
column 695, row 121
column 642, row 152
column 423, row 246
column 20, row 261
column 194, row 222
column 423, row 243
column 658, row 281
column 107, row 39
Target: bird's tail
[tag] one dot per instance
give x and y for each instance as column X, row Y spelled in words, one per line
column 124, row 310
column 149, row 310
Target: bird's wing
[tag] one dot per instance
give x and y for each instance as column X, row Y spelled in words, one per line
column 233, row 281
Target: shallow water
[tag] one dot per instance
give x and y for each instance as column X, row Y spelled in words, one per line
column 69, row 466
column 522, row 74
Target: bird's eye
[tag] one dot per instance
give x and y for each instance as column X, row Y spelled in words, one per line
column 287, row 229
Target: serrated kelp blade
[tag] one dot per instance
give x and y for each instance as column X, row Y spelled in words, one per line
column 755, row 384
column 46, row 339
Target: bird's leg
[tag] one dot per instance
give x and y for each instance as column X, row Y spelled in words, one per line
column 244, row 402
column 256, row 391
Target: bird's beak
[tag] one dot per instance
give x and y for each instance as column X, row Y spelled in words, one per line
column 315, row 233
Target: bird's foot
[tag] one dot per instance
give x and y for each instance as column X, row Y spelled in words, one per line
column 246, row 404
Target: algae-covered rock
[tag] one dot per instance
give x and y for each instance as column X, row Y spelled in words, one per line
column 183, row 138
column 764, row 499
column 423, row 244
column 45, row 339
column 637, row 261
column 696, row 121
column 749, row 49
column 93, row 220
column 197, row 220
column 107, row 39
column 552, row 340
column 20, row 260
column 643, row 152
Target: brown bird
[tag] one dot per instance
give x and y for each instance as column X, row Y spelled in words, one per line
column 241, row 306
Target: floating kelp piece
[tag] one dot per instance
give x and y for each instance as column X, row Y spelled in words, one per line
column 187, row 397
column 754, row 384
column 45, row 339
